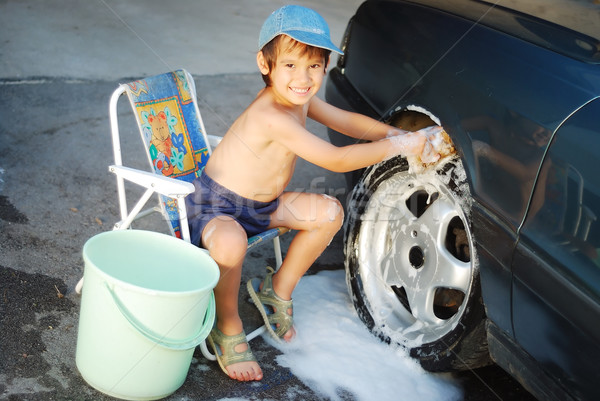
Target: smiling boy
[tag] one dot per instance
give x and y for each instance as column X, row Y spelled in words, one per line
column 241, row 191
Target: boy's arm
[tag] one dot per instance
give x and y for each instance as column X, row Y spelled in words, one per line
column 286, row 130
column 348, row 123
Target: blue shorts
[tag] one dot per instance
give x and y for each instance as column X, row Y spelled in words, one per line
column 210, row 199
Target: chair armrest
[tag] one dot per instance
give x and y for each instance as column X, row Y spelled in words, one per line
column 167, row 186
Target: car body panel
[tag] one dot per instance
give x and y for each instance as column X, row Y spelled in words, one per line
column 502, row 95
column 445, row 77
column 556, row 306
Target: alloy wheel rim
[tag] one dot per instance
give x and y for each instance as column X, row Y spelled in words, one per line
column 405, row 258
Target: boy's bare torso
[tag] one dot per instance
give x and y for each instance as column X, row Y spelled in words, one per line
column 249, row 160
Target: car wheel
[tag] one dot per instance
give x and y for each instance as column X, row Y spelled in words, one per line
column 410, row 263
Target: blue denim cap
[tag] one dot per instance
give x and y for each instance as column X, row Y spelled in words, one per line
column 300, row 23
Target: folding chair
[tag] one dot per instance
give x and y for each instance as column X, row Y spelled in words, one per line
column 177, row 146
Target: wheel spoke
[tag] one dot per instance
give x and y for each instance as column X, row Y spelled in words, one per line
column 421, row 304
column 438, row 214
column 389, row 272
column 394, row 199
column 394, row 271
column 452, row 272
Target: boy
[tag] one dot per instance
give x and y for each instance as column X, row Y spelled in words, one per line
column 241, row 191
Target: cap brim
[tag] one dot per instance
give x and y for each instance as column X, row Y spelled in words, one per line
column 313, row 39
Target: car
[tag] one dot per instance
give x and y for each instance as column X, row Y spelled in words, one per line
column 492, row 254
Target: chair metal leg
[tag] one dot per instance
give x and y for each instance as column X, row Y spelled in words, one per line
column 256, row 333
column 277, row 248
column 206, row 353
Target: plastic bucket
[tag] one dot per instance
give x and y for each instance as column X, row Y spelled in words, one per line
column 147, row 303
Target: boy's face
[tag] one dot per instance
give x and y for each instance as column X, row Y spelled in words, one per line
column 296, row 76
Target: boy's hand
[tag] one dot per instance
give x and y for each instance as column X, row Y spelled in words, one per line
column 429, row 155
column 414, row 143
column 431, row 150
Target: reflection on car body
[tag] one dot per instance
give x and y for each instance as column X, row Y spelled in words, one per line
column 493, row 253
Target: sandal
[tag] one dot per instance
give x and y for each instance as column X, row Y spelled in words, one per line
column 272, row 308
column 229, row 355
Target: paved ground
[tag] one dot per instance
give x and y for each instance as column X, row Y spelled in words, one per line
column 111, row 39
column 59, row 62
column 57, row 193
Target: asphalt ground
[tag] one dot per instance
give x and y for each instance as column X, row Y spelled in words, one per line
column 59, row 63
column 57, row 193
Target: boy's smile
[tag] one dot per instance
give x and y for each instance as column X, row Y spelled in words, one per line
column 300, row 91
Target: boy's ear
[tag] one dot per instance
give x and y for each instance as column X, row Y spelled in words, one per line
column 262, row 63
column 327, row 61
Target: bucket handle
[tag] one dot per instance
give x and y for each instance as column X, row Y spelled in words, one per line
column 192, row 342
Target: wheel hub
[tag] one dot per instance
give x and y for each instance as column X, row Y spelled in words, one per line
column 416, row 257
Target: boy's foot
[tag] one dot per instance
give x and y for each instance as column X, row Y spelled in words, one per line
column 277, row 313
column 234, row 355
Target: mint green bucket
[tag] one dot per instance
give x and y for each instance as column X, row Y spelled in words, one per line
column 147, row 302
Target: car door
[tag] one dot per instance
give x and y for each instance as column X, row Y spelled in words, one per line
column 556, row 267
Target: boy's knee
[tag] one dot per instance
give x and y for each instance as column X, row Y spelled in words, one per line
column 227, row 246
column 228, row 250
column 334, row 212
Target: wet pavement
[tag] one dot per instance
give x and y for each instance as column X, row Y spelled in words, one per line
column 56, row 191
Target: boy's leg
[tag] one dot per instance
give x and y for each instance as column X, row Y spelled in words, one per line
column 317, row 218
column 227, row 242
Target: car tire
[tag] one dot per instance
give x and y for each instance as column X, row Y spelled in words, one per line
column 410, row 263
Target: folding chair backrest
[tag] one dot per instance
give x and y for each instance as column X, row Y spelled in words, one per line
column 172, row 130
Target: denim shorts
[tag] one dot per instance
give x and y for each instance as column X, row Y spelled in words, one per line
column 210, row 199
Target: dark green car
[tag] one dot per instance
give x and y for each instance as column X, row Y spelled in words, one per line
column 493, row 253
